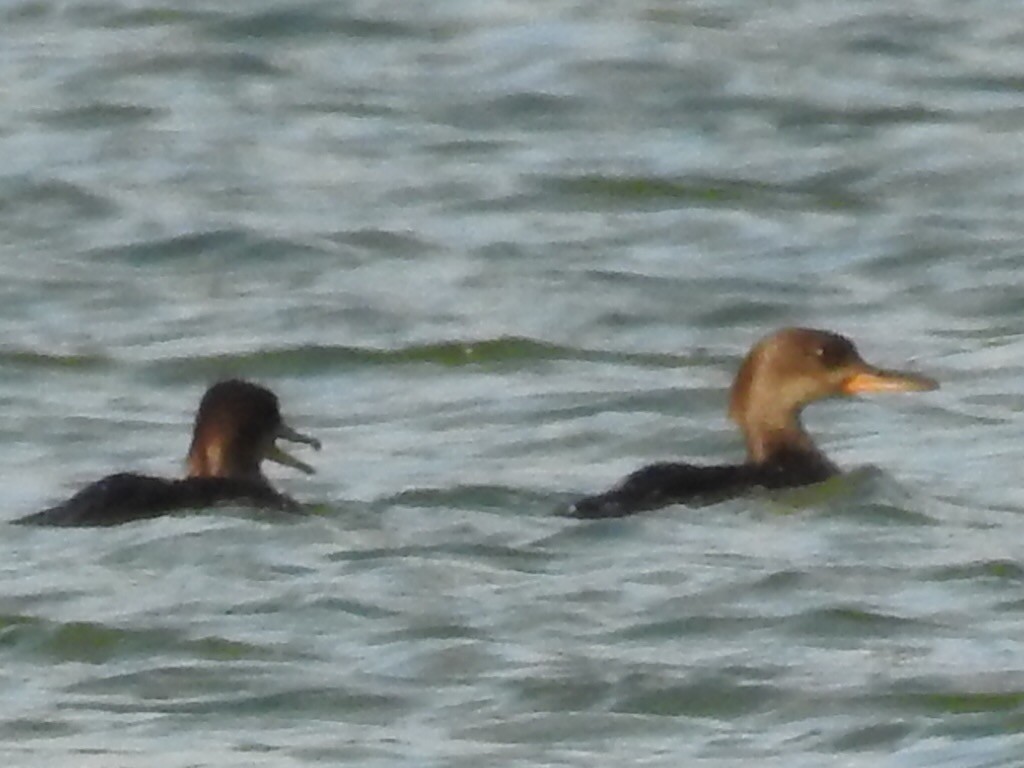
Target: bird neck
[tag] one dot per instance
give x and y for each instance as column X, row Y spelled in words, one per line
column 766, row 443
column 213, row 459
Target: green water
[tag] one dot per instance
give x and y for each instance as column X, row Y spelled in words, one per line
column 496, row 256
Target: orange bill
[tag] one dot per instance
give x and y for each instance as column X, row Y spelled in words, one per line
column 878, row 380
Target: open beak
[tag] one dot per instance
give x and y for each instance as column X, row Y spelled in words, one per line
column 871, row 379
column 277, row 454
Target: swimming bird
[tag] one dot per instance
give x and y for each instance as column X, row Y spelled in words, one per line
column 235, row 430
column 781, row 374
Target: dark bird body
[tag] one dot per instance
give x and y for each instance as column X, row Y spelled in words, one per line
column 235, row 429
column 784, row 372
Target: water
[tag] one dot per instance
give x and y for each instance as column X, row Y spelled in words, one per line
column 496, row 255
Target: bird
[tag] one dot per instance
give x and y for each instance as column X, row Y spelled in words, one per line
column 783, row 372
column 235, row 429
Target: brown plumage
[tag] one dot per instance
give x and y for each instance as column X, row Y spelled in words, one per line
column 235, row 430
column 782, row 373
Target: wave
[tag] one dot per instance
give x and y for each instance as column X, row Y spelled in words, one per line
column 313, row 358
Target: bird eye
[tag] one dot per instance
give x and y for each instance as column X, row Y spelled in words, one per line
column 833, row 353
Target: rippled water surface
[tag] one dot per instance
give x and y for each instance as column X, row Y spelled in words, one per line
column 496, row 255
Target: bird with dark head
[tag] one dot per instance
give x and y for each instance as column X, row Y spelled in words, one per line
column 236, row 429
column 784, row 372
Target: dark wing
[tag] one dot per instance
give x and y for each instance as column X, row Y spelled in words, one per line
column 125, row 497
column 113, row 500
column 198, row 492
column 659, row 485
